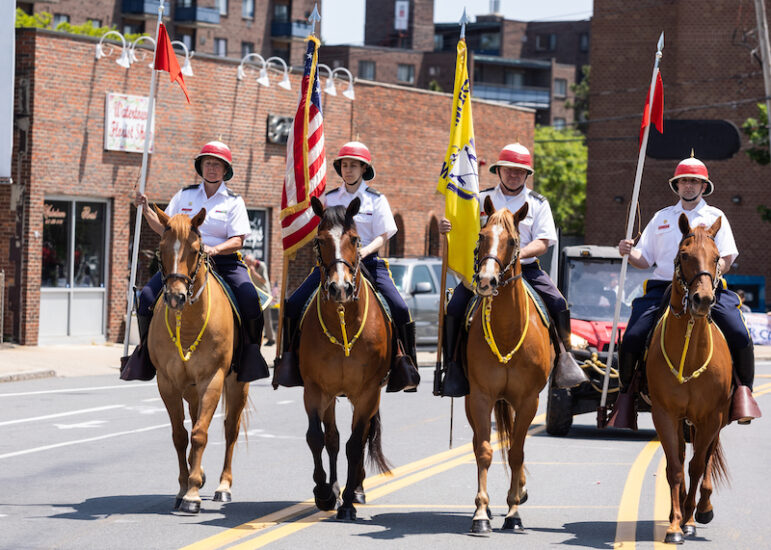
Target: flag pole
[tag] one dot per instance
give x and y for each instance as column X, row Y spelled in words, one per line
column 142, row 179
column 602, row 410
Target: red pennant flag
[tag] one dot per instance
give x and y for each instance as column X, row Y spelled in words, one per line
column 657, row 112
column 166, row 59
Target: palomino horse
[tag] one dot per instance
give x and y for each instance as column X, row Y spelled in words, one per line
column 345, row 349
column 508, row 381
column 195, row 312
column 689, row 378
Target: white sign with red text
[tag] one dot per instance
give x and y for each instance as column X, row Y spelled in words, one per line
column 125, row 120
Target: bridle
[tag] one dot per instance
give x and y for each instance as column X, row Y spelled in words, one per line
column 201, row 259
column 355, row 268
column 503, row 269
column 686, row 285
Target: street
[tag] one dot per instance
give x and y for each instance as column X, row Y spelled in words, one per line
column 88, row 462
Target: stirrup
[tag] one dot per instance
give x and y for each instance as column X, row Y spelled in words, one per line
column 744, row 408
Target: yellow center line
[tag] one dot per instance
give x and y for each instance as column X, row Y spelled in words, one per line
column 626, row 521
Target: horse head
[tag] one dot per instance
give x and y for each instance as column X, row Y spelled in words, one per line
column 181, row 255
column 697, row 267
column 497, row 249
column 337, row 249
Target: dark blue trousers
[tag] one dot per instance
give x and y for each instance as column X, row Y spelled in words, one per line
column 377, row 267
column 232, row 269
column 726, row 314
column 540, row 281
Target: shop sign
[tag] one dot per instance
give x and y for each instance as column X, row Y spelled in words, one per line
column 125, row 120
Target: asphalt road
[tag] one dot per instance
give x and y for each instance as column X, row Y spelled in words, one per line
column 87, row 462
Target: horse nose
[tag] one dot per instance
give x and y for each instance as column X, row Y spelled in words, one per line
column 334, row 291
column 175, row 300
column 700, row 301
column 494, row 282
column 349, row 289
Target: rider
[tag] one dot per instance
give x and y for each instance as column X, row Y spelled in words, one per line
column 658, row 245
column 537, row 233
column 222, row 235
column 375, row 225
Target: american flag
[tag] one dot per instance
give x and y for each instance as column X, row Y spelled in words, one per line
column 306, row 164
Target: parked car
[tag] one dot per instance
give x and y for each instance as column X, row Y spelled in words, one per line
column 418, row 281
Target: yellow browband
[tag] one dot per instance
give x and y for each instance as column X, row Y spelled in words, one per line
column 185, row 356
column 341, row 314
column 679, row 372
column 487, row 307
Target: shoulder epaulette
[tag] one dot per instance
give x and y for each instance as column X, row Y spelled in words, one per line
column 231, row 192
column 335, row 190
column 537, row 196
column 189, row 187
column 373, row 191
column 488, row 189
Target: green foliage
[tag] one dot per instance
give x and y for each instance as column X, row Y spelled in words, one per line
column 581, row 104
column 38, row 20
column 560, row 175
column 756, row 131
column 43, row 20
column 434, row 86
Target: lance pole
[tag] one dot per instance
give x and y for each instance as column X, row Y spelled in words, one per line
column 602, row 410
column 142, row 179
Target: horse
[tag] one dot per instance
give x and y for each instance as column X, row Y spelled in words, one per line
column 507, row 320
column 195, row 311
column 345, row 349
column 689, row 379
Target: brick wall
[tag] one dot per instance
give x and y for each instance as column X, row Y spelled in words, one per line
column 706, row 75
column 406, row 130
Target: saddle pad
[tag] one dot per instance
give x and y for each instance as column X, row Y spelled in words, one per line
column 229, row 293
column 539, row 306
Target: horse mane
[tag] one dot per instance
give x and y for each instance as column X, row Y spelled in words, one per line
column 334, row 216
column 505, row 218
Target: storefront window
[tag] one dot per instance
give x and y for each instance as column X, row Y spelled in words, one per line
column 56, row 232
column 89, row 243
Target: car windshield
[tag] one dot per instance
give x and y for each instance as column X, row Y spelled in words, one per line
column 592, row 286
column 397, row 273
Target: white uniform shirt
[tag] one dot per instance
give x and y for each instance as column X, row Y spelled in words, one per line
column 539, row 222
column 374, row 217
column 661, row 237
column 225, row 212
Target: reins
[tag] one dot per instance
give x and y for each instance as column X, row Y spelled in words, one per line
column 345, row 344
column 678, row 372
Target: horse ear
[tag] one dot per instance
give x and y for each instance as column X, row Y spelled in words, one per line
column 685, row 227
column 712, row 231
column 520, row 214
column 352, row 210
column 489, row 207
column 198, row 218
column 162, row 216
column 318, row 208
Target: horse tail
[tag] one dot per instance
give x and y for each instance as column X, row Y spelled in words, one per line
column 504, row 422
column 374, row 445
column 719, row 470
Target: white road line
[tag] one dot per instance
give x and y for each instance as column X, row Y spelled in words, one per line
column 70, row 390
column 59, row 415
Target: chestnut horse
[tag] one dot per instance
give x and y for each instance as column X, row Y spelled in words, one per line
column 689, row 378
column 509, row 358
column 345, row 349
column 194, row 312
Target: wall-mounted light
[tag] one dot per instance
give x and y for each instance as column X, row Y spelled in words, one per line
column 330, row 88
column 736, row 199
column 124, row 60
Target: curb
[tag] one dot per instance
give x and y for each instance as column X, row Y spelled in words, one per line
column 30, row 375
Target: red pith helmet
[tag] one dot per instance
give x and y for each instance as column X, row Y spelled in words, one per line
column 219, row 150
column 692, row 168
column 357, row 151
column 515, row 155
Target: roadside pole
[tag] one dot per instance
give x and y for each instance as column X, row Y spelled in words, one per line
column 765, row 56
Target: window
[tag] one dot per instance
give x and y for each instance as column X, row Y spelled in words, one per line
column 513, row 79
column 184, row 3
column 559, row 123
column 247, row 9
column 490, row 41
column 438, row 42
column 133, row 28
column 280, row 13
column 405, row 73
column 421, row 274
column 223, row 5
column 583, row 43
column 56, row 233
column 560, row 87
column 546, row 42
column 60, row 18
column 188, row 40
column 367, row 70
column 96, row 23
column 247, row 48
column 221, row 47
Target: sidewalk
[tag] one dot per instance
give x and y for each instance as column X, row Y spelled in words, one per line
column 29, row 362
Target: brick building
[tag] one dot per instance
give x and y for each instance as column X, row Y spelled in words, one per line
column 66, row 221
column 709, row 74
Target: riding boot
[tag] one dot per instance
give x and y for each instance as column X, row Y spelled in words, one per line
column 627, row 363
column 455, row 383
column 743, row 406
column 567, row 372
column 286, row 368
column 404, row 373
column 252, row 365
column 138, row 366
column 563, row 327
column 624, row 414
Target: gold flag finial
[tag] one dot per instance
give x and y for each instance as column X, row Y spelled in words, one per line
column 692, row 152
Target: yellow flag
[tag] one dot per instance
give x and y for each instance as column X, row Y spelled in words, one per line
column 459, row 179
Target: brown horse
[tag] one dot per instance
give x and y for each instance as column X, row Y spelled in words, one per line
column 194, row 312
column 345, row 349
column 507, row 323
column 689, row 378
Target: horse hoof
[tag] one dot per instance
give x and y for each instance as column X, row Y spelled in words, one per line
column 689, row 530
column 222, row 496
column 523, row 497
column 346, row 513
column 190, row 506
column 704, row 517
column 674, row 538
column 481, row 528
column 177, row 502
column 513, row 524
column 326, row 497
column 359, row 497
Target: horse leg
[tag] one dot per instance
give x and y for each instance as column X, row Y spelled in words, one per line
column 478, row 409
column 236, row 395
column 704, row 512
column 669, row 436
column 316, row 404
column 190, row 394
column 176, row 410
column 703, row 445
column 522, row 420
column 332, row 444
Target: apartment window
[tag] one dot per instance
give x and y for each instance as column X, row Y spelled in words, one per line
column 184, row 3
column 280, row 13
column 405, row 73
column 438, row 42
column 96, row 23
column 546, row 42
column 247, row 9
column 247, row 48
column 133, row 28
column 223, row 5
column 221, row 47
column 187, row 39
column 513, row 79
column 60, row 18
column 367, row 70
column 490, row 41
column 583, row 42
column 560, row 87
column 559, row 123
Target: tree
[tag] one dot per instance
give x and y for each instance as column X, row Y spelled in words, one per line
column 560, row 175
column 757, row 132
column 580, row 104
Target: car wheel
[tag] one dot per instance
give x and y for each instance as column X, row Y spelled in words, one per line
column 559, row 411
